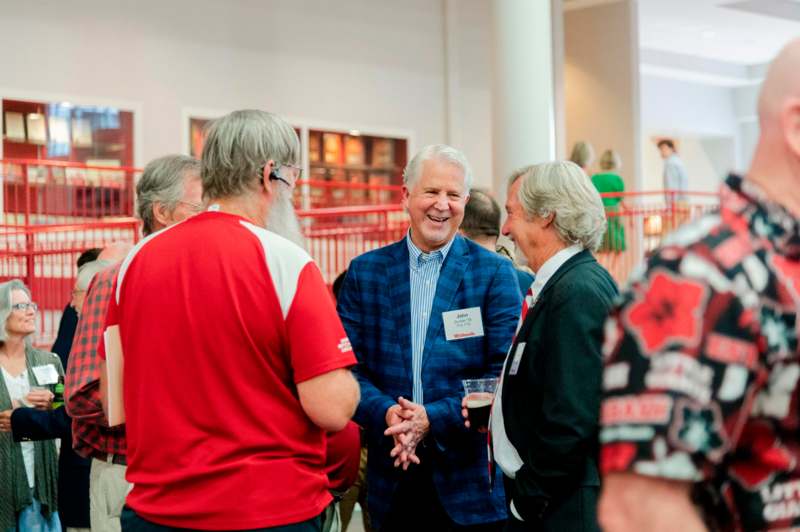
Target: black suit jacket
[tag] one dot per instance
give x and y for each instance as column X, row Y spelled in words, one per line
column 551, row 405
column 73, row 470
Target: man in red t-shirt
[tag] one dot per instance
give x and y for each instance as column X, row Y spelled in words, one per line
column 235, row 359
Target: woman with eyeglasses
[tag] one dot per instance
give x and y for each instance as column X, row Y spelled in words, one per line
column 29, row 470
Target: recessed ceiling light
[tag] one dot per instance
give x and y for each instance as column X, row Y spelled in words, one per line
column 354, row 133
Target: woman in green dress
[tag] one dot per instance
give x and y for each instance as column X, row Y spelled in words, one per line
column 609, row 181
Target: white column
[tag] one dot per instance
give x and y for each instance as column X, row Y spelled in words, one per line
column 523, row 90
column 452, row 94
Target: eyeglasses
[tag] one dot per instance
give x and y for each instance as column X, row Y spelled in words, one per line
column 25, row 306
column 76, row 291
column 278, row 174
column 194, row 207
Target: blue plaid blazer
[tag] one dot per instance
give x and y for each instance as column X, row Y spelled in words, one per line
column 375, row 307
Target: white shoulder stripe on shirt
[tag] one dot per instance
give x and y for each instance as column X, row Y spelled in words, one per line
column 285, row 261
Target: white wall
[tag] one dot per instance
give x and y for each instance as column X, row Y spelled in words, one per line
column 702, row 118
column 682, row 107
column 601, row 79
column 361, row 63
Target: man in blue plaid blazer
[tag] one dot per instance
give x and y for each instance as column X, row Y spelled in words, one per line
column 425, row 469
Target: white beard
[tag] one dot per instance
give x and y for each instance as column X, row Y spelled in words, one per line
column 282, row 219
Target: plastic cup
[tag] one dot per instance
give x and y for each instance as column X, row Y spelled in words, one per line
column 479, row 394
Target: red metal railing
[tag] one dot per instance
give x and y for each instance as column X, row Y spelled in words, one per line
column 337, row 235
column 638, row 224
column 43, row 257
column 36, row 191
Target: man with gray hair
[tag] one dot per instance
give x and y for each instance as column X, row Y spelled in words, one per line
column 423, row 314
column 168, row 191
column 544, row 417
column 235, row 360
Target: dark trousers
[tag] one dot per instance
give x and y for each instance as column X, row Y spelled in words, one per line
column 575, row 513
column 131, row 522
column 416, row 506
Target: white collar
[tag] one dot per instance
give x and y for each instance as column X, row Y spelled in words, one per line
column 552, row 265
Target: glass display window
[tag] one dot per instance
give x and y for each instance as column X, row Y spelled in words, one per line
column 354, row 169
column 61, row 131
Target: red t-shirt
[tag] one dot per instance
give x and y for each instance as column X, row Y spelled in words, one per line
column 219, row 320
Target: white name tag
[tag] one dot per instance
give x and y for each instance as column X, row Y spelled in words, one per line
column 517, row 358
column 463, row 323
column 45, row 374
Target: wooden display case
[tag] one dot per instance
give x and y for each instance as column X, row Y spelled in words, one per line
column 353, row 169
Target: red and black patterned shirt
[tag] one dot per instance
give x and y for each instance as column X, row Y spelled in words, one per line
column 702, row 364
column 90, row 432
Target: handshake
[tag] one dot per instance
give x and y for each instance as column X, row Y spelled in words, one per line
column 408, row 425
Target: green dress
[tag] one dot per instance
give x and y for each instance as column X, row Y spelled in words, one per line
column 614, row 239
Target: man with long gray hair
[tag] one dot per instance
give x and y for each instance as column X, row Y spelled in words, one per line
column 227, row 392
column 168, row 191
column 544, row 417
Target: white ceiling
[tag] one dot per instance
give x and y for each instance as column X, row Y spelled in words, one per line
column 733, row 31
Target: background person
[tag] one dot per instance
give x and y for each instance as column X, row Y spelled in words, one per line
column 69, row 316
column 481, row 224
column 168, row 191
column 544, row 417
column 609, row 181
column 357, row 493
column 28, row 491
column 676, row 181
column 32, row 424
column 583, row 155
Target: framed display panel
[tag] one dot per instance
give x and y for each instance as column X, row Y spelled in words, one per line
column 349, row 168
column 81, row 133
column 14, row 126
column 69, row 132
column 37, row 132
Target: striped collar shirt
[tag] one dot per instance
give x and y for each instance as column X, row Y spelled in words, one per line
column 424, row 271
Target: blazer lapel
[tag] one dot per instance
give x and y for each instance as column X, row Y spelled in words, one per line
column 399, row 282
column 450, row 277
column 580, row 258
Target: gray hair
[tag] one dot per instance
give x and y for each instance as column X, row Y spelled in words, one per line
column 582, row 154
column 239, row 145
column 562, row 188
column 162, row 182
column 610, row 160
column 87, row 272
column 5, row 303
column 439, row 152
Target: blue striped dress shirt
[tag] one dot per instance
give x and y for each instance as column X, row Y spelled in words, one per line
column 424, row 270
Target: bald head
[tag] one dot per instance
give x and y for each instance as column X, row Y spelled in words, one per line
column 781, row 86
column 776, row 161
column 115, row 252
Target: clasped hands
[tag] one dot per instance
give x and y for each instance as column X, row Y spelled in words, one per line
column 408, row 424
column 39, row 399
